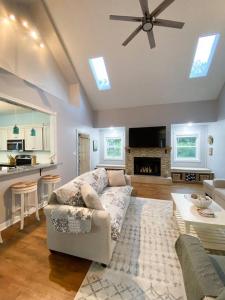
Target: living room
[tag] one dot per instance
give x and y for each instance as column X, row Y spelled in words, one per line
column 112, row 130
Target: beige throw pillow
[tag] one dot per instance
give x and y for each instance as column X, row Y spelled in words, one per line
column 116, row 178
column 90, row 197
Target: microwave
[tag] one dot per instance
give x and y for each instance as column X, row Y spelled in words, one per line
column 15, row 145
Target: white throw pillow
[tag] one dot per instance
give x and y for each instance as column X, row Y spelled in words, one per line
column 90, row 197
column 116, row 178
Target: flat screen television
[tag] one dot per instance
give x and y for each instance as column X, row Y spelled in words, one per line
column 147, row 137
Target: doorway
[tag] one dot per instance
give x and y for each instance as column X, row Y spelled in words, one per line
column 83, row 153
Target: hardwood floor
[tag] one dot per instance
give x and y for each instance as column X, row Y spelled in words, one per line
column 29, row 271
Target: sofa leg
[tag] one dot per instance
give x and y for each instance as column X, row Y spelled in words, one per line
column 104, row 265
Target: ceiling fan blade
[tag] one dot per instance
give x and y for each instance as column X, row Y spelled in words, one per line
column 151, row 39
column 161, row 7
column 144, row 7
column 132, row 35
column 125, row 18
column 169, row 23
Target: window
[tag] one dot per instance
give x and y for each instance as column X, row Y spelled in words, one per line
column 203, row 56
column 187, row 147
column 113, row 148
column 99, row 72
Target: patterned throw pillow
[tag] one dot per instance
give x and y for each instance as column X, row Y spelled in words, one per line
column 70, row 194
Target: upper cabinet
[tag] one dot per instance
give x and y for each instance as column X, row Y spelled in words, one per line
column 3, row 139
column 13, row 136
column 33, row 143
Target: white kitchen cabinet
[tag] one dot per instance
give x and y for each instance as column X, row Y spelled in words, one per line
column 46, row 138
column 33, row 143
column 12, row 136
column 3, row 139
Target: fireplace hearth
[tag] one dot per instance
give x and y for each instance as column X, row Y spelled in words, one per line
column 150, row 166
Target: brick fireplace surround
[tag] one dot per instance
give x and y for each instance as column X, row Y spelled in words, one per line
column 163, row 153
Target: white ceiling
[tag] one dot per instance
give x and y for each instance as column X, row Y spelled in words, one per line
column 140, row 76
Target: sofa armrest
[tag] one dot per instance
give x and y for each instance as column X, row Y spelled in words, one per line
column 128, row 179
column 99, row 217
column 219, row 183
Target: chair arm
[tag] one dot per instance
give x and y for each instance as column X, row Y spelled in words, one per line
column 219, row 183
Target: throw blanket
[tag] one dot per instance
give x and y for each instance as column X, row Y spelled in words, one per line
column 72, row 219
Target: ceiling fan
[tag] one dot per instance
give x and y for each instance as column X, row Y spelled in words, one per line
column 148, row 21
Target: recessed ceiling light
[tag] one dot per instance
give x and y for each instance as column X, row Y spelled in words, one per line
column 12, row 17
column 99, row 72
column 204, row 54
column 34, row 35
column 25, row 24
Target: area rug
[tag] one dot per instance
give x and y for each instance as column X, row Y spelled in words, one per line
column 144, row 265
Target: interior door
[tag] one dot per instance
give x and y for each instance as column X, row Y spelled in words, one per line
column 84, row 153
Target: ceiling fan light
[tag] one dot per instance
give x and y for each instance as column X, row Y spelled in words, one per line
column 148, row 26
column 16, row 129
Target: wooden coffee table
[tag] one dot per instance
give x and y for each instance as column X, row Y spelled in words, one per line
column 211, row 231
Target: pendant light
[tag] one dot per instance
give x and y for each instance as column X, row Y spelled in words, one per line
column 16, row 129
column 33, row 131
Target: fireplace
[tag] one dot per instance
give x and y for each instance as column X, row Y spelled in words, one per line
column 147, row 166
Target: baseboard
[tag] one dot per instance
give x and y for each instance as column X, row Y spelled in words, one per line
column 10, row 222
column 151, row 179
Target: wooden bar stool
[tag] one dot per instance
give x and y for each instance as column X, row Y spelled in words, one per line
column 24, row 189
column 50, row 181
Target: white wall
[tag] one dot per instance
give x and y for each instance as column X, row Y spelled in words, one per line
column 158, row 115
column 217, row 161
column 111, row 132
column 202, row 131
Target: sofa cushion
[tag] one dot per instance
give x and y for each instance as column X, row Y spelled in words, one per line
column 115, row 201
column 116, row 178
column 222, row 295
column 90, row 197
column 219, row 264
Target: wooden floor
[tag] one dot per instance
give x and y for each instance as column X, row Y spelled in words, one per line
column 29, row 272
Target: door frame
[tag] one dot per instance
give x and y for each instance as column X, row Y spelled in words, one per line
column 76, row 153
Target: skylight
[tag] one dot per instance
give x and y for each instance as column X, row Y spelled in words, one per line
column 99, row 72
column 203, row 56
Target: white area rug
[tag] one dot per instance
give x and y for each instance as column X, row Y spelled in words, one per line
column 144, row 263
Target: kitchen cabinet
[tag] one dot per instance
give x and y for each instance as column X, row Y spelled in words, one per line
column 13, row 136
column 33, row 143
column 3, row 139
column 46, row 138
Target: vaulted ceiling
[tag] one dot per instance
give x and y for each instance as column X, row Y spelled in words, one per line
column 140, row 76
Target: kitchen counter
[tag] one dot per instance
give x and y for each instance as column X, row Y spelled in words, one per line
column 25, row 169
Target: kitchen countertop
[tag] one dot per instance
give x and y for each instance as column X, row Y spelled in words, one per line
column 24, row 169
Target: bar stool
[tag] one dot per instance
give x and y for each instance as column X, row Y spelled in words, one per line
column 24, row 189
column 50, row 181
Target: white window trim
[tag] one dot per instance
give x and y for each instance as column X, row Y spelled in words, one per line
column 181, row 134
column 105, row 152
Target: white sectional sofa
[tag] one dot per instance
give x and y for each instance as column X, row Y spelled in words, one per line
column 99, row 243
column 215, row 189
